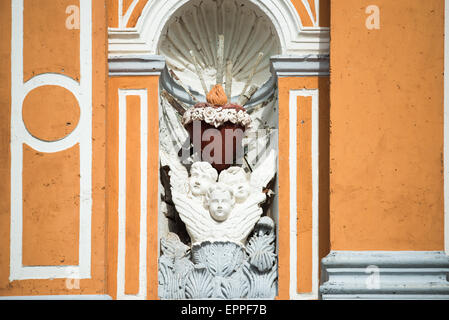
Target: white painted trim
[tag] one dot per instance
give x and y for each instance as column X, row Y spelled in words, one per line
column 293, row 156
column 385, row 275
column 446, row 127
column 20, row 135
column 143, row 94
column 144, row 38
column 309, row 12
column 125, row 18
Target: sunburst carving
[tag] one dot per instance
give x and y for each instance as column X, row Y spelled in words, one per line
column 196, row 27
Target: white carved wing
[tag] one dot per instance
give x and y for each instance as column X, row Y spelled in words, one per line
column 173, row 134
column 178, row 173
column 244, row 217
column 194, row 215
column 265, row 171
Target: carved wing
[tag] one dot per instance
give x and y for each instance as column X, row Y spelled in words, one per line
column 178, row 173
column 172, row 136
column 244, row 217
column 194, row 215
column 265, row 171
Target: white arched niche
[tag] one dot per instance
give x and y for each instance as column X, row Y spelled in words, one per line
column 295, row 39
column 159, row 33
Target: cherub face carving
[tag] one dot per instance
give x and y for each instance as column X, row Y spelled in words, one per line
column 220, row 200
column 202, row 175
column 237, row 179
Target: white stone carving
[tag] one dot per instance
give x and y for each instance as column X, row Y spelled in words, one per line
column 215, row 215
column 220, row 270
column 217, row 116
column 197, row 26
column 219, row 217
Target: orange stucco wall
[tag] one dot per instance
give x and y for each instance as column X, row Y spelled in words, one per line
column 304, row 161
column 51, row 187
column 5, row 134
column 151, row 84
column 386, row 147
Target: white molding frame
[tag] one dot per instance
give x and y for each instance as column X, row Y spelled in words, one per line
column 446, row 127
column 294, row 37
column 82, row 134
column 293, row 158
column 385, row 275
column 121, row 253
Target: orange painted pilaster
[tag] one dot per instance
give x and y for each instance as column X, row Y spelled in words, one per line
column 304, row 172
column 151, row 85
column 387, row 119
column 51, row 181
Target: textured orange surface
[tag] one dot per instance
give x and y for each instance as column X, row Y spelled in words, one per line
column 5, row 136
column 50, row 113
column 112, row 6
column 304, row 237
column 96, row 284
column 48, row 45
column 137, row 12
column 306, row 20
column 304, row 194
column 152, row 84
column 51, row 202
column 133, row 141
column 387, row 126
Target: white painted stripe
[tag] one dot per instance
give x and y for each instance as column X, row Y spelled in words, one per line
column 121, row 254
column 127, row 16
column 82, row 135
column 293, row 157
column 120, row 13
column 309, row 12
column 446, row 127
column 121, row 195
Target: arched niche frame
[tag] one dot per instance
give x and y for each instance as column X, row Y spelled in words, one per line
column 303, row 52
column 295, row 38
column 135, row 50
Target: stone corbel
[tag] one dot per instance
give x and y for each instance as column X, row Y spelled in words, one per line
column 300, row 66
column 385, row 275
column 136, row 65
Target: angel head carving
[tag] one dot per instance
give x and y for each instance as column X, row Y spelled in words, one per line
column 202, row 175
column 238, row 180
column 220, row 200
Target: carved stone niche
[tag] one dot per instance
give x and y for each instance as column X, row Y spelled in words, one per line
column 196, row 26
column 231, row 253
column 218, row 229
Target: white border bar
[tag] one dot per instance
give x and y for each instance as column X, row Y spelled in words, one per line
column 121, row 254
column 446, row 127
column 82, row 135
column 293, row 158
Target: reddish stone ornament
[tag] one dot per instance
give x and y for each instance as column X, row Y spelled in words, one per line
column 217, row 131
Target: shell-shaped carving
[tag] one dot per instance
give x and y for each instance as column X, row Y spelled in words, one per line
column 172, row 246
column 170, row 286
column 261, row 252
column 197, row 25
column 261, row 285
column 199, row 285
column 220, row 258
column 235, row 287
